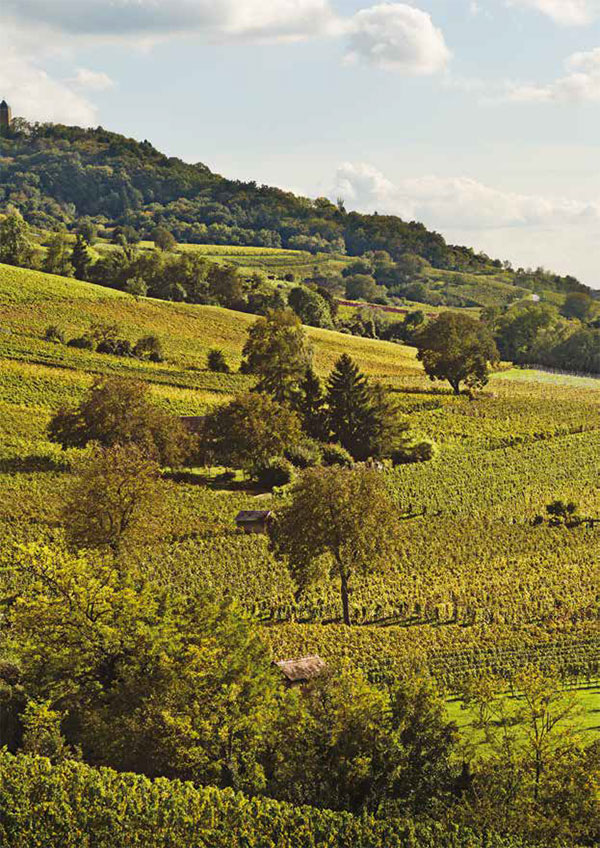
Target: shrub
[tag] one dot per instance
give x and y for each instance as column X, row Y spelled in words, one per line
column 149, row 347
column 54, row 334
column 274, row 473
column 336, row 455
column 82, row 343
column 215, row 361
column 115, row 347
column 306, row 454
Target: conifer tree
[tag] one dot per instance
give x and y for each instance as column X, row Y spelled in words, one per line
column 311, row 406
column 349, row 403
column 80, row 258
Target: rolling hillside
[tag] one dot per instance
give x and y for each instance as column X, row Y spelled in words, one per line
column 58, row 176
column 477, row 588
column 502, row 458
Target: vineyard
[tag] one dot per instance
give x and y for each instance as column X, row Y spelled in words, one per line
column 475, row 584
column 75, row 806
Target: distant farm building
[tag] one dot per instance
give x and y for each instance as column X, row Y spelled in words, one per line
column 302, row 671
column 253, row 520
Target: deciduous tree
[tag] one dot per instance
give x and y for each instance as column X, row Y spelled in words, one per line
column 16, row 247
column 163, row 239
column 151, row 681
column 119, row 411
column 457, row 348
column 277, row 351
column 116, row 500
column 248, row 432
column 339, row 524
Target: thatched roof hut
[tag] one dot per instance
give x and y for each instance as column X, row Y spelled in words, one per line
column 297, row 672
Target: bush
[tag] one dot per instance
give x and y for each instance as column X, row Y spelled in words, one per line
column 82, row 343
column 418, row 452
column 336, row 455
column 274, row 473
column 215, row 361
column 307, row 454
column 115, row 347
column 54, row 334
column 149, row 347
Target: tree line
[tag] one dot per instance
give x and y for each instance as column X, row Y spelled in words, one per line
column 56, row 175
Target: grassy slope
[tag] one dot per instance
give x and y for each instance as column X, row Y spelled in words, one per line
column 502, row 459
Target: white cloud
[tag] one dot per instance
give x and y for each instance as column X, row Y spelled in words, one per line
column 580, row 83
column 398, row 37
column 254, row 19
column 31, row 31
column 390, row 35
column 92, row 80
column 31, row 91
column 530, row 229
column 453, row 201
column 565, row 12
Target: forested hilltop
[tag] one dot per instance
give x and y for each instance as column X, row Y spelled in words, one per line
column 55, row 175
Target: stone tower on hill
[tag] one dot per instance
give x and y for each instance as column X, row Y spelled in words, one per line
column 5, row 117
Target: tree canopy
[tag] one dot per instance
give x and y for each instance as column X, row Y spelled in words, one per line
column 120, row 411
column 116, row 499
column 338, row 524
column 248, row 432
column 457, row 348
column 278, row 352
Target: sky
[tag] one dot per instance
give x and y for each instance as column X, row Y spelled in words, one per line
column 480, row 118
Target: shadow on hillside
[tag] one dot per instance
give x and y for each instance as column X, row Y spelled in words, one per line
column 31, row 464
column 439, row 391
column 218, row 483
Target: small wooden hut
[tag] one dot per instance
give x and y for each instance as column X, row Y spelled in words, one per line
column 253, row 520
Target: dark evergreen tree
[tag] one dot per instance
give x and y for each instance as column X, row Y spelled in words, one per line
column 57, row 260
column 311, row 406
column 80, row 258
column 349, row 403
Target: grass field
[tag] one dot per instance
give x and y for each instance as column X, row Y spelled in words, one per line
column 476, row 585
column 587, row 713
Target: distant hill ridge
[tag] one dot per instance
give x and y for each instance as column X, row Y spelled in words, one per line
column 56, row 174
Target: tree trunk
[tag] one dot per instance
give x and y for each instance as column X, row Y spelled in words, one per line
column 345, row 600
